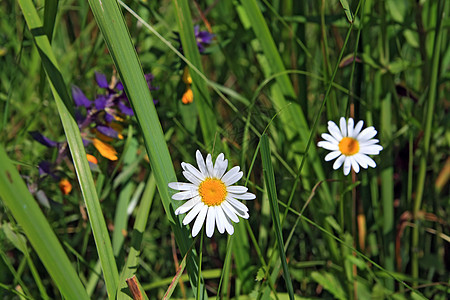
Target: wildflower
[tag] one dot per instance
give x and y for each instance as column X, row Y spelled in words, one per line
column 203, row 38
column 350, row 145
column 188, row 96
column 211, row 195
column 65, row 186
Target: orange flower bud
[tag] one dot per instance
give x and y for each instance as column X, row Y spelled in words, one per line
column 188, row 96
column 65, row 186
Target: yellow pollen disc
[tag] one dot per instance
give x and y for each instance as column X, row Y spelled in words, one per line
column 212, row 191
column 349, row 146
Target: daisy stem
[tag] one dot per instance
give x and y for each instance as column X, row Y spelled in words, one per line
column 200, row 258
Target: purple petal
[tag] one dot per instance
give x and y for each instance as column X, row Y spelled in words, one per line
column 125, row 109
column 119, row 86
column 100, row 102
column 205, row 37
column 79, row 98
column 86, row 142
column 109, row 118
column 108, row 131
column 101, row 80
column 43, row 139
column 44, row 167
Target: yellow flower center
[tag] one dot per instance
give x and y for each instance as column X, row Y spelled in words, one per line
column 212, row 191
column 349, row 146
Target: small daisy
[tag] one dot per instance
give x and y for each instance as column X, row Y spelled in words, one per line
column 211, row 195
column 350, row 145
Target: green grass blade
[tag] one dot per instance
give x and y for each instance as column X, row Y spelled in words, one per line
column 131, row 265
column 63, row 102
column 15, row 195
column 273, row 200
column 201, row 95
column 112, row 25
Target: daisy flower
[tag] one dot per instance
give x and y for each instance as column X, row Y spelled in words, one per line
column 211, row 195
column 350, row 145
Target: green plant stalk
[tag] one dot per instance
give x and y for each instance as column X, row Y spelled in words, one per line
column 64, row 103
column 115, row 33
column 202, row 98
column 16, row 197
column 272, row 193
column 387, row 187
column 432, row 94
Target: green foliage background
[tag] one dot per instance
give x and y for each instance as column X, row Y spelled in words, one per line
column 275, row 73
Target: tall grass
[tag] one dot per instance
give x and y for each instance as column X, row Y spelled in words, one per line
column 264, row 89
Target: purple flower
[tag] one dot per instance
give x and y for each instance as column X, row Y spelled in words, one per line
column 43, row 139
column 79, row 98
column 125, row 109
column 203, row 38
column 101, row 102
column 101, row 80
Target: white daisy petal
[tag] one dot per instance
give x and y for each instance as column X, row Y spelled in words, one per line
column 328, row 145
column 241, row 213
column 232, row 176
column 229, row 210
column 358, row 128
column 334, row 130
column 355, row 164
column 350, row 127
column 193, row 213
column 329, row 138
column 368, row 143
column 246, row 196
column 218, row 164
column 194, row 171
column 209, row 165
column 228, row 226
column 210, row 221
column 360, row 160
column 372, row 149
column 189, row 176
column 220, row 219
column 338, row 163
column 199, row 221
column 366, row 134
column 201, row 162
column 370, row 162
column 187, row 206
column 222, row 168
column 237, row 189
column 184, row 195
column 343, row 126
column 332, row 155
column 347, row 165
column 236, row 204
column 182, row 186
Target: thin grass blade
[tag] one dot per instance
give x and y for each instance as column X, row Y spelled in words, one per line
column 273, row 200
